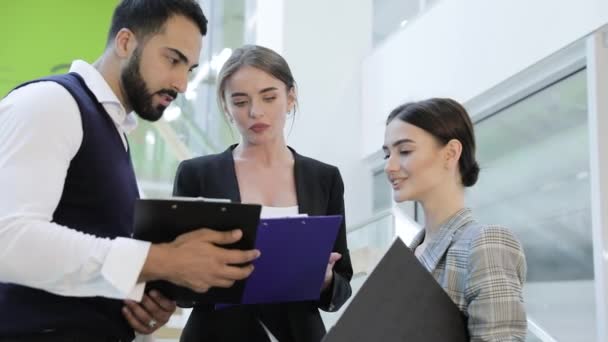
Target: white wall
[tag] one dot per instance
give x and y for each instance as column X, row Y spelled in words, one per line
column 269, row 19
column 461, row 49
column 324, row 43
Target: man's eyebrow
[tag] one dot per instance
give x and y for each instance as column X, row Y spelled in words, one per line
column 182, row 57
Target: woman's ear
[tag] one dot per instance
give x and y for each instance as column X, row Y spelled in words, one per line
column 226, row 112
column 453, row 151
column 291, row 99
column 229, row 117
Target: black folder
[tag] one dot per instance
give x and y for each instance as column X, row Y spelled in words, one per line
column 400, row 301
column 162, row 220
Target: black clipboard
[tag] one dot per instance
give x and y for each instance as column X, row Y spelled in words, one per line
column 162, row 220
column 400, row 301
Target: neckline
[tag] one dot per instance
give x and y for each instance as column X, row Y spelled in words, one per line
column 228, row 154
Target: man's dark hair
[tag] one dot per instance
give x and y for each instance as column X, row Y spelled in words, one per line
column 145, row 17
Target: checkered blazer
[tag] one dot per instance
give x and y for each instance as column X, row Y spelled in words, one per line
column 483, row 269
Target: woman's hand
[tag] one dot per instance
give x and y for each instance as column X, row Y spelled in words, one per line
column 329, row 272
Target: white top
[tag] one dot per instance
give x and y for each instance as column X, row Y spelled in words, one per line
column 274, row 212
column 40, row 133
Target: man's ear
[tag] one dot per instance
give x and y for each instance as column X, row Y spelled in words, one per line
column 125, row 43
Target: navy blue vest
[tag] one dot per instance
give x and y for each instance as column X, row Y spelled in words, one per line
column 98, row 198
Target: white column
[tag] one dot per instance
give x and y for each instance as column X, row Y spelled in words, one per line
column 269, row 24
column 324, row 43
column 597, row 75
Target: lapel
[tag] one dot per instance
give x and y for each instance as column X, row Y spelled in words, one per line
column 417, row 240
column 230, row 184
column 305, row 206
column 437, row 248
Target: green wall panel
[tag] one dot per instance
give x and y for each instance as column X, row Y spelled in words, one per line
column 41, row 37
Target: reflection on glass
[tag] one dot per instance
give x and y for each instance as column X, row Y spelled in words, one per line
column 535, row 180
column 382, row 193
column 153, row 161
column 377, row 234
column 391, row 15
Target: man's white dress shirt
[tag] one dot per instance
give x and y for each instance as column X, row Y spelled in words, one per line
column 40, row 132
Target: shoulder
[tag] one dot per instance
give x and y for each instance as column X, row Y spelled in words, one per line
column 36, row 100
column 475, row 235
column 192, row 174
column 318, row 167
column 490, row 246
column 318, row 173
column 203, row 161
column 210, row 164
column 41, row 88
column 44, row 111
column 481, row 235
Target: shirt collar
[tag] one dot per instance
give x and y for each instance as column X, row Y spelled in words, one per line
column 438, row 246
column 104, row 94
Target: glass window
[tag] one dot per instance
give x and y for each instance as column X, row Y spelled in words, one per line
column 391, row 15
column 382, row 192
column 153, row 160
column 534, row 159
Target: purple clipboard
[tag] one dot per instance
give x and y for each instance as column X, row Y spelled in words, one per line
column 295, row 252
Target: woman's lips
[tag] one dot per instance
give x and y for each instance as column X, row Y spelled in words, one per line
column 259, row 127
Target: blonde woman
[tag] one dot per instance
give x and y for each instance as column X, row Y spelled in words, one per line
column 256, row 90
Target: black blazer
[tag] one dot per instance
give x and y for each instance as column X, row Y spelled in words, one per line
column 320, row 191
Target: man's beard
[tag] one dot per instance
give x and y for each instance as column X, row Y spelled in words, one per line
column 137, row 92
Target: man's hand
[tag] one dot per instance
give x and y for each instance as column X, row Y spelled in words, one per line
column 329, row 272
column 196, row 260
column 150, row 314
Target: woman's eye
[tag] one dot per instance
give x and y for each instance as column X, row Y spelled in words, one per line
column 269, row 99
column 240, row 103
column 404, row 153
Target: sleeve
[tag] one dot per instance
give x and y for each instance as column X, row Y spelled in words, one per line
column 186, row 181
column 339, row 291
column 40, row 133
column 496, row 274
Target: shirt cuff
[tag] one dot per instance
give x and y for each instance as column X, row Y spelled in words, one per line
column 137, row 293
column 123, row 264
